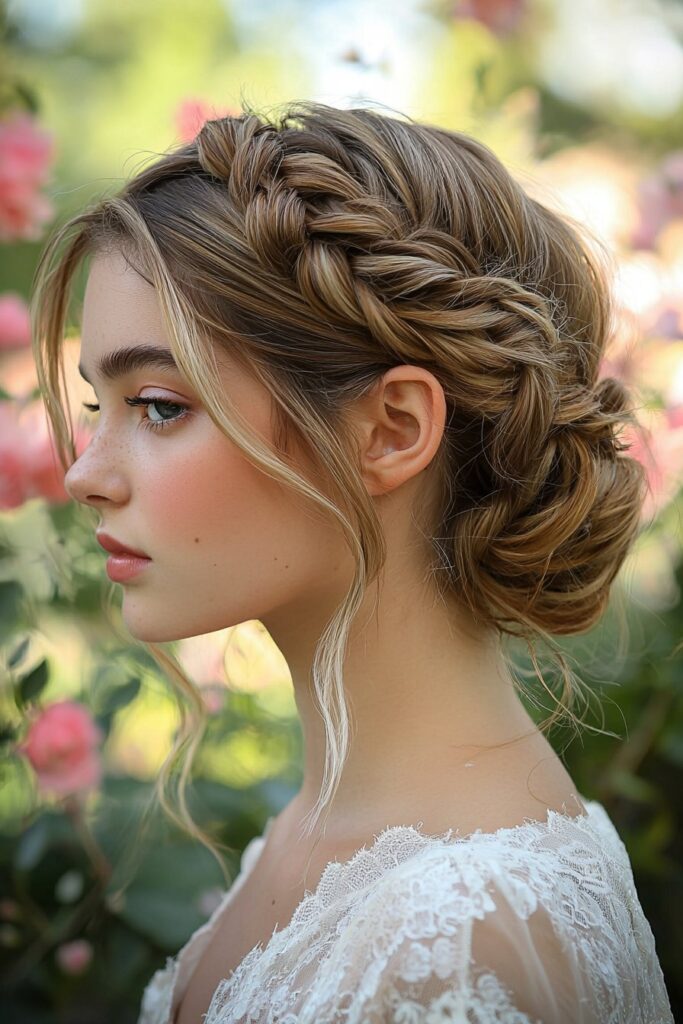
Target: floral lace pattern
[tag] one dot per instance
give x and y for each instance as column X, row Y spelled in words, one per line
column 539, row 923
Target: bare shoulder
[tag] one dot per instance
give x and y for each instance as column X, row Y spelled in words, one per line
column 518, row 784
column 501, row 788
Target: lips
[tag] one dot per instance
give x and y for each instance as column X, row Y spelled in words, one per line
column 115, row 547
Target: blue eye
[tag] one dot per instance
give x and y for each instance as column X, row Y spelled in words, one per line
column 180, row 410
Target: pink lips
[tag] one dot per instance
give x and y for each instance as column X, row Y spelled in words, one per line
column 124, row 563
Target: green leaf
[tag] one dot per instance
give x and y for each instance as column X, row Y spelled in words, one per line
column 671, row 747
column 120, row 696
column 8, row 733
column 635, row 788
column 32, row 845
column 50, row 833
column 11, row 597
column 126, row 955
column 163, row 902
column 32, row 685
column 29, row 97
column 104, row 722
column 19, row 652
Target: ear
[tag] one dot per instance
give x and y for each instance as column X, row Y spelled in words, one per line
column 400, row 424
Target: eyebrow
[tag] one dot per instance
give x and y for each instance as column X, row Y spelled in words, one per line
column 125, row 360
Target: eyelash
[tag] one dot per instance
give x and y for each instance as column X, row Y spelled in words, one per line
column 151, row 424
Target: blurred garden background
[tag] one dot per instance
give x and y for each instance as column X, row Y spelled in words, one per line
column 583, row 101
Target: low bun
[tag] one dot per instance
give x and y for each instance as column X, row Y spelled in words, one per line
column 563, row 511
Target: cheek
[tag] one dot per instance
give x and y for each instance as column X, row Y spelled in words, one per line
column 230, row 544
column 203, row 507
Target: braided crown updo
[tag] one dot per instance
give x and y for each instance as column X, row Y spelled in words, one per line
column 326, row 246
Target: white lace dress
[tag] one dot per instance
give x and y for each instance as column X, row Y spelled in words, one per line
column 540, row 922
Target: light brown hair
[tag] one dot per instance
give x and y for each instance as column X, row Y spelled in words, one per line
column 323, row 246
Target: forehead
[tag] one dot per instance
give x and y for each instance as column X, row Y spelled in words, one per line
column 119, row 306
column 122, row 327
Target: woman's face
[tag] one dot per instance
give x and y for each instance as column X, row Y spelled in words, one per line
column 227, row 544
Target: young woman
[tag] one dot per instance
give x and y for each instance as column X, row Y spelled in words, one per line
column 347, row 374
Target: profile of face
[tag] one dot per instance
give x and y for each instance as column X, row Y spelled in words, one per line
column 226, row 542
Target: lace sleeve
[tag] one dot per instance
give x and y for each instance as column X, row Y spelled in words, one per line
column 484, row 938
column 497, row 967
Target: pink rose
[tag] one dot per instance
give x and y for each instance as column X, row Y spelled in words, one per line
column 661, row 453
column 500, row 16
column 674, row 416
column 12, row 482
column 29, row 466
column 15, row 323
column 62, row 746
column 190, row 115
column 74, row 957
column 26, row 153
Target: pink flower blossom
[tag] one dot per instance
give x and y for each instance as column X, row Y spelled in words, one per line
column 62, row 746
column 674, row 416
column 661, row 454
column 74, row 957
column 26, row 153
column 12, row 474
column 660, row 199
column 15, row 324
column 500, row 16
column 29, row 466
column 191, row 114
column 214, row 697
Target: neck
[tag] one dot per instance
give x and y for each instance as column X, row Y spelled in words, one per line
column 427, row 695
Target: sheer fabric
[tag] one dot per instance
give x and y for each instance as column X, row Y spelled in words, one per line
column 539, row 923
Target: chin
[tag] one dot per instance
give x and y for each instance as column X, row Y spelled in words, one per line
column 150, row 632
column 160, row 625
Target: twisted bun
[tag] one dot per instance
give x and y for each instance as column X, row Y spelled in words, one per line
column 543, row 551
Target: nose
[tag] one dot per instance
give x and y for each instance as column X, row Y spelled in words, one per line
column 94, row 478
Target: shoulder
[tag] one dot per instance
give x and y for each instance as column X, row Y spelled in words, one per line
column 498, row 924
column 523, row 868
